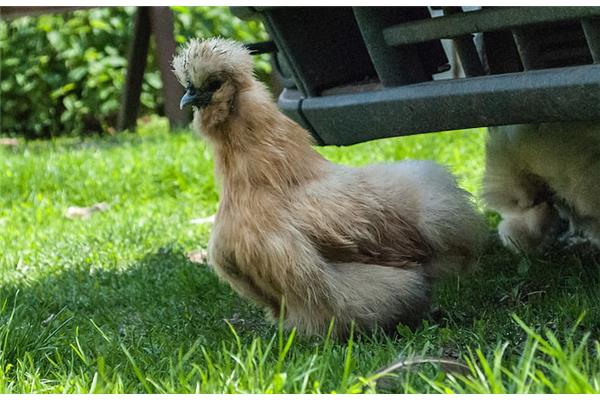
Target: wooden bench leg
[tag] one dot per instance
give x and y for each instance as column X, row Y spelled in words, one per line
column 161, row 22
column 138, row 54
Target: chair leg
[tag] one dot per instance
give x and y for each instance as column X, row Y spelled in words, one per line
column 138, row 54
column 161, row 22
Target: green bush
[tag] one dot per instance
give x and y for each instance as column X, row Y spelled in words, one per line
column 64, row 73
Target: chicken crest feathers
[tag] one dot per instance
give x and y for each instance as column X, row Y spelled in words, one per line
column 202, row 58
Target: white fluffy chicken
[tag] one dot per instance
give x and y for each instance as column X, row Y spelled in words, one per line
column 537, row 174
column 330, row 241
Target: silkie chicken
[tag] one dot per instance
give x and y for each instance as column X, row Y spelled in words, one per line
column 538, row 175
column 330, row 242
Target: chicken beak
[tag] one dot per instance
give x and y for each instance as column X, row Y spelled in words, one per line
column 194, row 98
column 188, row 98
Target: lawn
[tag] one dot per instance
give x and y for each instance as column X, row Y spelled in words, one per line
column 112, row 303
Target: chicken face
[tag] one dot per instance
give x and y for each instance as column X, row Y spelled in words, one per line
column 212, row 71
column 201, row 97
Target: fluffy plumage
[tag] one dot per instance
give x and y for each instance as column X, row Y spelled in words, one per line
column 357, row 244
column 537, row 174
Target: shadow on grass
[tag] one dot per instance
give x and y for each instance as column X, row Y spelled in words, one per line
column 157, row 305
column 163, row 303
column 547, row 290
column 149, row 316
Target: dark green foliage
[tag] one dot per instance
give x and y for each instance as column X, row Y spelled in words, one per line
column 65, row 72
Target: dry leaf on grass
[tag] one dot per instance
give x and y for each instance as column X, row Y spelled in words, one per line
column 74, row 212
column 9, row 142
column 198, row 256
column 205, row 220
column 50, row 318
column 387, row 380
column 241, row 323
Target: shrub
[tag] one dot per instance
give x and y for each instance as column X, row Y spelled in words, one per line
column 64, row 73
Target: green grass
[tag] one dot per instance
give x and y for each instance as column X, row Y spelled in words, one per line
column 111, row 304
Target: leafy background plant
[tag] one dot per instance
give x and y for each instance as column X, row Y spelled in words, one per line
column 63, row 74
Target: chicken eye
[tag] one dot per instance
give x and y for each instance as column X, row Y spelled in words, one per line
column 214, row 85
